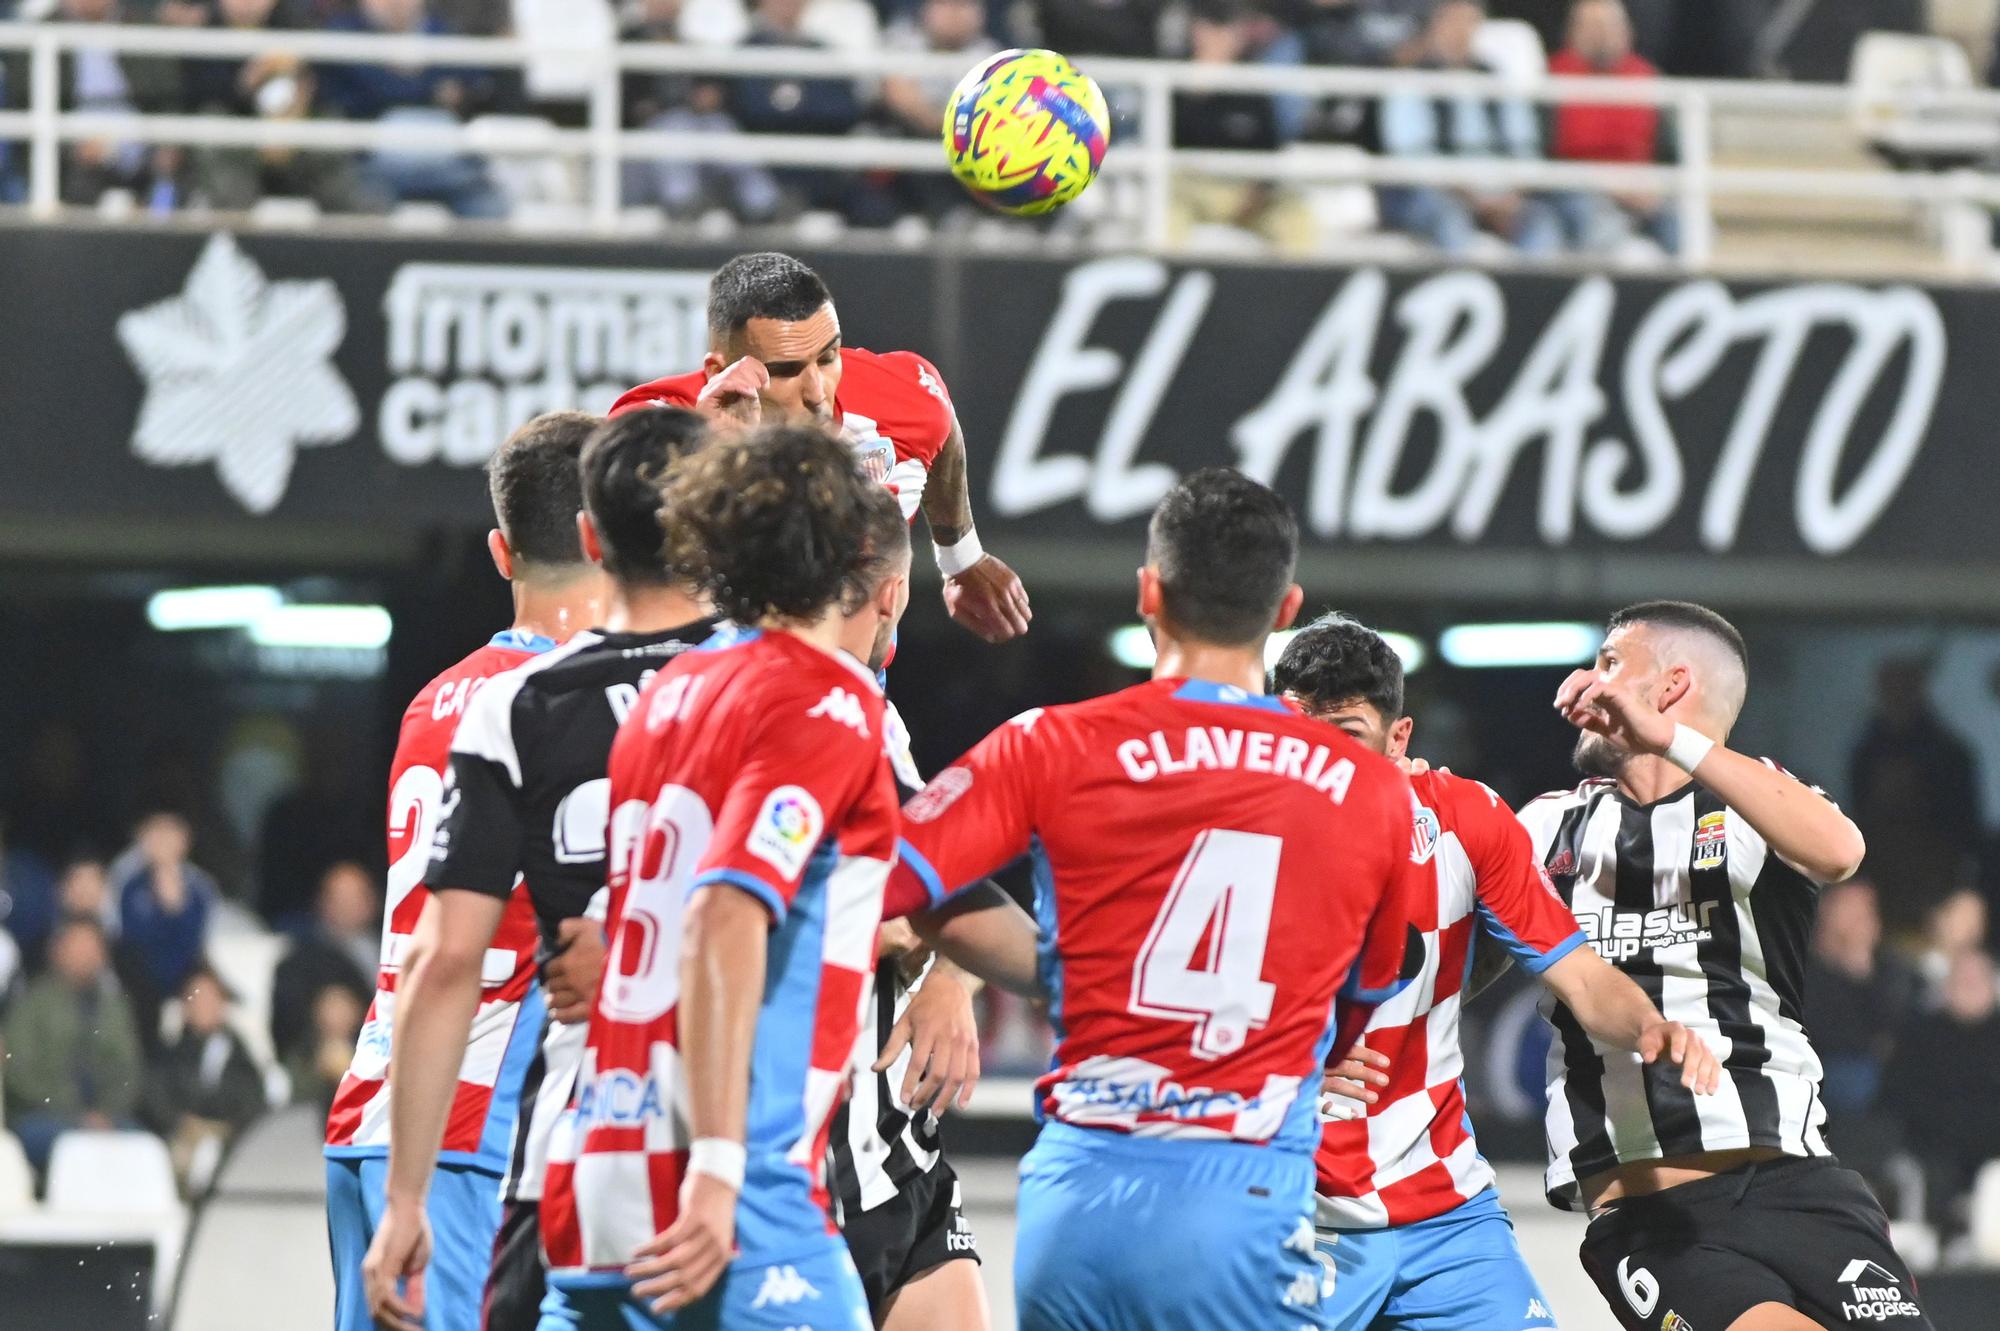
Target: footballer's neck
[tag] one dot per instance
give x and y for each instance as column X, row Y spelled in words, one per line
column 559, row 603
column 1189, row 658
column 833, row 633
column 653, row 607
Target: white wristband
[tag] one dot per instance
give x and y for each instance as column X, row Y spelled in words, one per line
column 719, row 1158
column 1690, row 746
column 956, row 559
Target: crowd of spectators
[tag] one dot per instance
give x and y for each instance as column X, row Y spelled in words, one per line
column 1612, row 38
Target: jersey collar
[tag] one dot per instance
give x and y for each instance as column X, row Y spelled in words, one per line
column 1203, row 690
column 521, row 640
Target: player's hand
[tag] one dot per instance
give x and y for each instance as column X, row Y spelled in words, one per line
column 681, row 1265
column 1700, row 1071
column 1589, row 701
column 988, row 599
column 938, row 1028
column 1350, row 1085
column 393, row 1272
column 1419, row 766
column 572, row 974
column 730, row 400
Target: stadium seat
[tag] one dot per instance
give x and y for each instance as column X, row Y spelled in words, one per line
column 1887, row 69
column 575, row 34
column 1511, row 48
column 845, row 25
column 17, row 1177
column 522, row 163
column 112, row 1173
column 1985, row 1215
column 246, row 960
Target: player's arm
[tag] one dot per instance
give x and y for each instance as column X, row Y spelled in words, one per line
column 986, row 933
column 474, row 864
column 1616, row 1012
column 974, row 817
column 942, row 1034
column 980, row 592
column 1803, row 827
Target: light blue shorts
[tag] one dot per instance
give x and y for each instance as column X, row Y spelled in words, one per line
column 819, row 1291
column 464, row 1213
column 1460, row 1271
column 1133, row 1234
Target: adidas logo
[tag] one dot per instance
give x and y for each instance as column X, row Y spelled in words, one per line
column 782, row 1285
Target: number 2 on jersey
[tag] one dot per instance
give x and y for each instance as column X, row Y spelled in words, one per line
column 1203, row 960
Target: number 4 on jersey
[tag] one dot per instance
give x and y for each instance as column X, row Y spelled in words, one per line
column 1203, row 960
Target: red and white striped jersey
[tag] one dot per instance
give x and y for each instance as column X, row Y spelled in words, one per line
column 1412, row 1156
column 754, row 762
column 1212, row 872
column 481, row 1127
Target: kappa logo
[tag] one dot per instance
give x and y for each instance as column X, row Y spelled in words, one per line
column 1303, row 1292
column 1539, row 1312
column 1301, row 1239
column 212, row 392
column 842, row 706
column 783, row 1286
column 1881, row 1299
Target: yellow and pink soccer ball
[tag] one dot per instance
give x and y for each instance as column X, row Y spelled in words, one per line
column 1026, row 132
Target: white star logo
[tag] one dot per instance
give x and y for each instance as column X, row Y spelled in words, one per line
column 239, row 372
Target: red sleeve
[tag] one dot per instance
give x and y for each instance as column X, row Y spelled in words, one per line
column 974, row 817
column 797, row 777
column 1518, row 905
column 1377, row 973
column 919, row 409
column 679, row 391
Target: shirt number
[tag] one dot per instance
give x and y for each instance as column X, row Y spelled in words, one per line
column 1203, row 960
column 652, row 853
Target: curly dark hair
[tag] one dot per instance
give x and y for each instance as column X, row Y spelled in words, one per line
column 625, row 462
column 774, row 524
column 1336, row 659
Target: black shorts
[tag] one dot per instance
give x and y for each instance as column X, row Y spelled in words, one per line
column 516, row 1284
column 1803, row 1233
column 918, row 1229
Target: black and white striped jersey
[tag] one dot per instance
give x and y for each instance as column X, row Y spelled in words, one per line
column 877, row 1146
column 1684, row 896
column 527, row 799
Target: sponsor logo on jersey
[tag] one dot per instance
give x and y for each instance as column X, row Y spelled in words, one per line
column 1302, row 1239
column 1539, row 1312
column 1620, row 935
column 1303, row 1292
column 783, row 1286
column 1874, row 1293
column 1425, row 832
column 842, row 706
column 942, row 792
column 619, row 1098
column 1711, row 840
column 1674, row 1322
column 786, row 830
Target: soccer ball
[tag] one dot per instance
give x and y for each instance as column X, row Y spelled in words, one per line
column 1026, row 132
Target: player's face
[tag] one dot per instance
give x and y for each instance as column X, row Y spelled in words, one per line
column 1361, row 721
column 803, row 358
column 1626, row 657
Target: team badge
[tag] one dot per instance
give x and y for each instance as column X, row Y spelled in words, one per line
column 876, row 455
column 1426, row 835
column 1711, row 840
column 1674, row 1321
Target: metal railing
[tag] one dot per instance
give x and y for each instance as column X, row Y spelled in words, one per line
column 1694, row 181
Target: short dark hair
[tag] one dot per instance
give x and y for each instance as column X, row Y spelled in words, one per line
column 625, row 465
column 887, row 538
column 1225, row 548
column 1684, row 615
column 773, row 524
column 537, row 490
column 1335, row 659
column 766, row 285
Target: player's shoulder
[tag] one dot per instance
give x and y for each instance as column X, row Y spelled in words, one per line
column 901, row 373
column 793, row 683
column 1460, row 799
column 444, row 699
column 900, row 389
column 1550, row 806
column 679, row 390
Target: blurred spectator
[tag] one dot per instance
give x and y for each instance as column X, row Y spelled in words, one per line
column 1858, row 994
column 1600, row 44
column 73, row 1057
column 678, row 103
column 801, row 106
column 1418, row 126
column 1101, row 27
column 163, row 908
column 204, row 1087
column 276, row 85
column 85, row 889
column 27, row 896
column 325, row 1046
column 1357, row 32
column 1222, row 32
column 1956, row 925
column 914, row 108
column 313, row 825
column 339, row 951
column 421, row 94
column 1944, row 1085
column 1916, row 796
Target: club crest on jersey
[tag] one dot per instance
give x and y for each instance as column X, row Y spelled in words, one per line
column 1711, row 840
column 943, row 792
column 786, row 829
column 1425, row 832
column 1676, row 1322
column 876, row 455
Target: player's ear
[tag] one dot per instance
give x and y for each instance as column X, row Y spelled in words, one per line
column 1149, row 593
column 586, row 535
column 1399, row 736
column 1679, row 682
column 712, row 364
column 503, row 556
column 1288, row 609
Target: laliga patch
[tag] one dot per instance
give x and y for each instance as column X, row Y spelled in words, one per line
column 1424, row 832
column 786, row 830
column 1711, row 840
